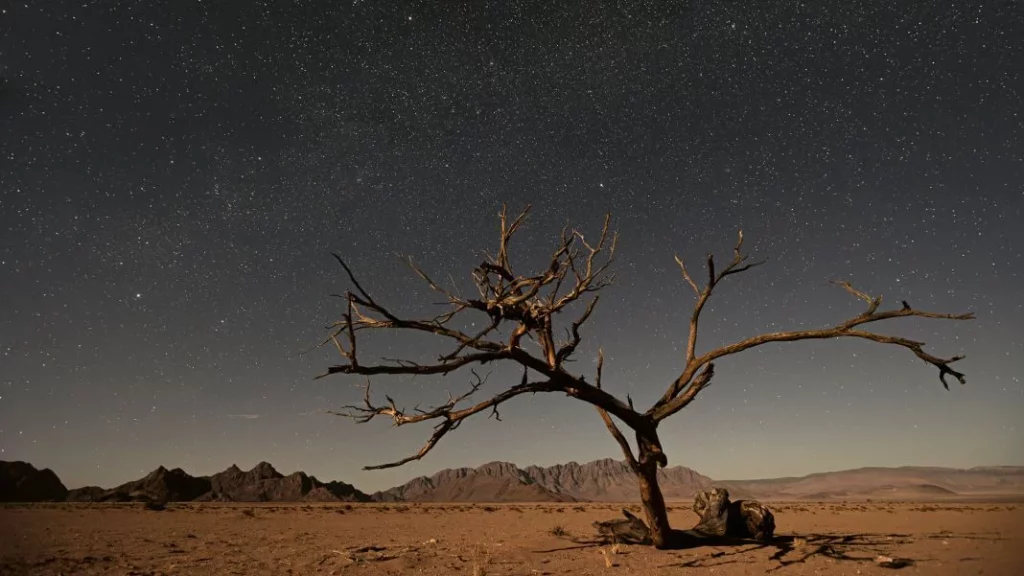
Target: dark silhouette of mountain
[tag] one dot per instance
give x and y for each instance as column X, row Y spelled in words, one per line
column 21, row 482
column 261, row 484
column 160, row 485
column 492, row 482
column 86, row 494
column 265, row 484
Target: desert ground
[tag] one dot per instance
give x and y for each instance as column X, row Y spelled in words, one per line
column 498, row 539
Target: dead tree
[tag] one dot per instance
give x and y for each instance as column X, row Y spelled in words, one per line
column 522, row 307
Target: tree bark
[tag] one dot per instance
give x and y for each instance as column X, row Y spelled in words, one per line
column 651, row 458
column 654, row 506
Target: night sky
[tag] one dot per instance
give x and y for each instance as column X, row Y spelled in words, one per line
column 174, row 177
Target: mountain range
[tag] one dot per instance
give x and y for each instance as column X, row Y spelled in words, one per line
column 601, row 480
column 605, row 480
column 261, row 484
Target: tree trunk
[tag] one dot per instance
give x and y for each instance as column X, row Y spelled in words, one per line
column 651, row 458
column 654, row 505
column 645, row 465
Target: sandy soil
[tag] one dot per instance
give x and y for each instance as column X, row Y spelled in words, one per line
column 480, row 539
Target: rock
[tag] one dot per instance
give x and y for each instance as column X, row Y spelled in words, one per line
column 890, row 562
column 720, row 517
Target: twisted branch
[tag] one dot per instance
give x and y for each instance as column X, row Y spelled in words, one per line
column 737, row 265
column 684, row 388
column 449, row 417
column 627, row 451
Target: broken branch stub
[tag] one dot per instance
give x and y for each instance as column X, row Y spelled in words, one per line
column 682, row 391
column 630, row 530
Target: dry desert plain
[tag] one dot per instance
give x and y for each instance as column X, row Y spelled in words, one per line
column 482, row 539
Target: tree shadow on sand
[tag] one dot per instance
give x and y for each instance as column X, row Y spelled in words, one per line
column 880, row 550
column 733, row 532
column 788, row 550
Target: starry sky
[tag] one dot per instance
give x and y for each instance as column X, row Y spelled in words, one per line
column 174, row 177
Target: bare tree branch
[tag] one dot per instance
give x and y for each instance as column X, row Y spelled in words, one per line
column 574, row 331
column 412, row 368
column 627, row 451
column 523, row 306
column 433, row 285
column 845, row 329
column 449, row 417
column 355, row 320
column 873, row 303
column 686, row 397
column 687, row 277
column 738, row 264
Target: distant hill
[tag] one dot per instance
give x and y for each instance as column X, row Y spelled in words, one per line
column 265, row 484
column 21, row 482
column 605, row 480
column 601, row 480
column 611, row 480
column 492, row 482
column 260, row 484
column 909, row 492
column 160, row 485
column 908, row 482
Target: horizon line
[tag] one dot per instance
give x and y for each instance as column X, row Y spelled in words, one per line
column 523, row 467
